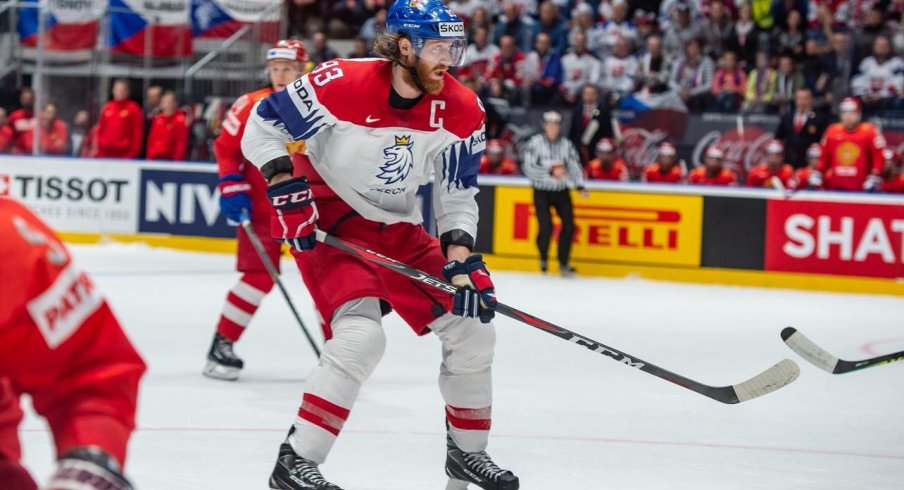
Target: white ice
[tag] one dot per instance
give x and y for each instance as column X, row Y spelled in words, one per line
column 563, row 417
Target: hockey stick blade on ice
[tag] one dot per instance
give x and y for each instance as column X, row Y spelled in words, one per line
column 778, row 376
column 822, row 359
column 271, row 269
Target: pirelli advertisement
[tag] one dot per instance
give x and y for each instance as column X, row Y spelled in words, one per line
column 610, row 227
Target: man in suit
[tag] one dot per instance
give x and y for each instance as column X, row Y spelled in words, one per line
column 590, row 122
column 801, row 128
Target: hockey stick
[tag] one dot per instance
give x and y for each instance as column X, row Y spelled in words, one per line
column 820, row 358
column 259, row 248
column 766, row 382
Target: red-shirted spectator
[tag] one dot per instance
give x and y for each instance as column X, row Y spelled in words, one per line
column 120, row 129
column 507, row 65
column 168, row 138
column 851, row 153
column 892, row 177
column 54, row 132
column 665, row 169
column 607, row 165
column 801, row 179
column 6, row 133
column 495, row 162
column 713, row 173
column 22, row 122
column 765, row 174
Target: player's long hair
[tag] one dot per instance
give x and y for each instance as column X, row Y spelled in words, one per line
column 387, row 46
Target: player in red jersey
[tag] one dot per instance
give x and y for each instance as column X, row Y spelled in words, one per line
column 242, row 189
column 801, row 179
column 61, row 344
column 665, row 169
column 764, row 174
column 607, row 165
column 851, row 153
column 713, row 172
column 495, row 161
column 892, row 176
column 376, row 130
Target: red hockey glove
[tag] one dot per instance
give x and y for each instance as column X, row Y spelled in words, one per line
column 477, row 296
column 294, row 215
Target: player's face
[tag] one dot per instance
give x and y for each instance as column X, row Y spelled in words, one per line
column 713, row 163
column 666, row 162
column 850, row 119
column 552, row 130
column 774, row 160
column 283, row 72
column 813, row 162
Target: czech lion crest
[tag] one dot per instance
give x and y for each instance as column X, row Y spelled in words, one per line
column 399, row 160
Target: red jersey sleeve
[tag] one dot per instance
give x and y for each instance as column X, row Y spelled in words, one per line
column 228, row 146
column 60, row 342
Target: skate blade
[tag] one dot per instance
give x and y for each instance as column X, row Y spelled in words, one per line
column 219, row 371
column 456, row 484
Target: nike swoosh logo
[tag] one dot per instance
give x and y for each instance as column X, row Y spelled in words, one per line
column 371, row 119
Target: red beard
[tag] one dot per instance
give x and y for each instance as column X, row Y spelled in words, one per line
column 425, row 74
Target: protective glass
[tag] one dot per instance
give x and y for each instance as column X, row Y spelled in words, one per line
column 449, row 52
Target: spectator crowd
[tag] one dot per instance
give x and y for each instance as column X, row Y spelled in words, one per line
column 796, row 59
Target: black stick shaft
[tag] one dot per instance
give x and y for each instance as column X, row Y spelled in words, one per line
column 722, row 394
column 271, row 269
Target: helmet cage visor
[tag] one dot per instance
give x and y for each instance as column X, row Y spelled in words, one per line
column 449, row 51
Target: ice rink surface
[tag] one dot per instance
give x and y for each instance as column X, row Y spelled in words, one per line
column 563, row 417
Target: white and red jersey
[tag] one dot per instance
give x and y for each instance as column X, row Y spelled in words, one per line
column 618, row 73
column 881, row 79
column 372, row 155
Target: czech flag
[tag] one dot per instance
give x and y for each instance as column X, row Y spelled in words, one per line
column 164, row 24
column 69, row 26
column 219, row 19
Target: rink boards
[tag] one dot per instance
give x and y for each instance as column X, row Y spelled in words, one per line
column 820, row 241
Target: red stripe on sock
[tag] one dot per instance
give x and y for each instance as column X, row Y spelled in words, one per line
column 328, row 416
column 229, row 329
column 241, row 304
column 329, row 407
column 469, row 418
column 318, row 421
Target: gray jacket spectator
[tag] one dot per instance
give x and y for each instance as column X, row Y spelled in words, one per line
column 680, row 32
column 716, row 29
column 512, row 23
column 692, row 77
column 619, row 69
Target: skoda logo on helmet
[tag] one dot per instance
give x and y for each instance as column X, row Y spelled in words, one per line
column 451, row 29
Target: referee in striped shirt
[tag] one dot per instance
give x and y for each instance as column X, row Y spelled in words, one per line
column 553, row 166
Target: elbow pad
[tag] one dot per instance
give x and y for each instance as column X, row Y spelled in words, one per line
column 456, row 237
column 278, row 165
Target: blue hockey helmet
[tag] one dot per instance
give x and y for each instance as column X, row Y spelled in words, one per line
column 424, row 20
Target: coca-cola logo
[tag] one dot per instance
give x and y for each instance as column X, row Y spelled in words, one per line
column 743, row 149
column 639, row 147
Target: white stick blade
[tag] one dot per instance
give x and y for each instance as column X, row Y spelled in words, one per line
column 778, row 376
column 811, row 352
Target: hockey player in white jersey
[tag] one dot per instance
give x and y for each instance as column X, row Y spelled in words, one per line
column 375, row 130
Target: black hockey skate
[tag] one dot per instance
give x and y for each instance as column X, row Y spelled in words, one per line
column 477, row 469
column 222, row 363
column 292, row 472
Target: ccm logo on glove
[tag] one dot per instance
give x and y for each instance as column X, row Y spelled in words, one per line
column 294, row 198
